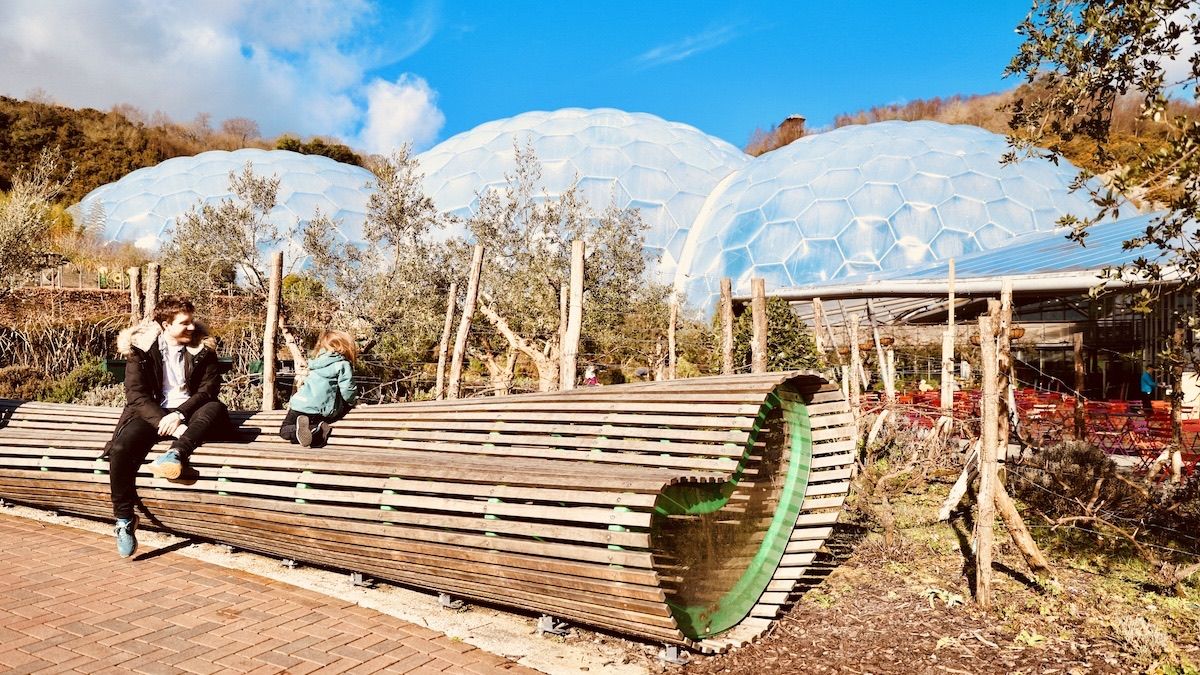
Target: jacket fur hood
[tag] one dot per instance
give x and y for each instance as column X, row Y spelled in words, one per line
column 145, row 334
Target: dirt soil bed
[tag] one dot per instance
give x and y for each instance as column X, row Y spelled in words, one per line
column 907, row 608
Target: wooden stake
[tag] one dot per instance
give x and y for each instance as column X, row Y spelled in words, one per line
column 671, row 362
column 439, row 389
column 1020, row 534
column 151, row 301
column 136, row 307
column 570, row 350
column 464, row 323
column 1080, row 421
column 1178, row 358
column 987, row 460
column 948, row 346
column 726, row 326
column 1004, row 370
column 271, row 329
column 758, row 305
column 889, row 388
column 855, row 363
column 818, row 326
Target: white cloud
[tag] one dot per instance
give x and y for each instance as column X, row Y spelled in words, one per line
column 291, row 65
column 400, row 112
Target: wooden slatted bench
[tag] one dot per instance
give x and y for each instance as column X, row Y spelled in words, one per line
column 685, row 511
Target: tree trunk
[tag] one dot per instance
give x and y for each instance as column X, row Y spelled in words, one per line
column 948, row 347
column 136, row 306
column 570, row 344
column 464, row 323
column 439, row 389
column 726, row 326
column 269, row 335
column 672, row 364
column 152, row 283
column 758, row 305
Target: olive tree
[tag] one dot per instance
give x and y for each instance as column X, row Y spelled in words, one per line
column 27, row 217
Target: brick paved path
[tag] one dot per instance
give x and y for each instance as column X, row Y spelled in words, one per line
column 69, row 604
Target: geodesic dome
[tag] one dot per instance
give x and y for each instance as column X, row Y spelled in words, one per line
column 665, row 169
column 870, row 198
column 143, row 205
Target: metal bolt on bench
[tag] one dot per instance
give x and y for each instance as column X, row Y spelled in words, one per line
column 551, row 625
column 674, row 655
column 448, row 601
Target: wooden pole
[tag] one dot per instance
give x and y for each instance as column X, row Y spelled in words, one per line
column 726, row 326
column 1004, row 370
column 464, row 323
column 855, row 376
column 439, row 389
column 136, row 308
column 889, row 387
column 818, row 326
column 1080, row 421
column 570, row 352
column 758, row 305
column 271, row 330
column 987, row 459
column 1178, row 358
column 671, row 356
column 948, row 346
column 151, row 301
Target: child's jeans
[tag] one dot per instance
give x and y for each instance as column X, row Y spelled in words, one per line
column 287, row 431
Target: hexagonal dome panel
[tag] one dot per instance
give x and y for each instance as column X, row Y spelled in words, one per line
column 635, row 159
column 145, row 204
column 870, row 198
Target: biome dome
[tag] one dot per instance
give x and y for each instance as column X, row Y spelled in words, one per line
column 869, row 198
column 144, row 205
column 665, row 169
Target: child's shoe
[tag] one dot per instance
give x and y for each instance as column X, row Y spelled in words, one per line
column 304, row 433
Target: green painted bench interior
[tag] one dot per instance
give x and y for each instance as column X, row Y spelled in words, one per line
column 688, row 512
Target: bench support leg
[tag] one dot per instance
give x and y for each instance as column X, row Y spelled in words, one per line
column 448, row 601
column 289, row 563
column 674, row 655
column 357, row 579
column 5, row 504
column 548, row 624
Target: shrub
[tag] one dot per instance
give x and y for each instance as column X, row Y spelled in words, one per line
column 84, row 377
column 23, row 383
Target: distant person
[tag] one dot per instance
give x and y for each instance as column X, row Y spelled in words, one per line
column 589, row 377
column 172, row 380
column 1147, row 385
column 327, row 393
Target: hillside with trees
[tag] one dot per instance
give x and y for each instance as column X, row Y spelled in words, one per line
column 102, row 147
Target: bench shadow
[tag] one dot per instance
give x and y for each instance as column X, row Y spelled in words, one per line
column 838, row 548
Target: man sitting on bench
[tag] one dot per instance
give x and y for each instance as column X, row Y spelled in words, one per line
column 171, row 385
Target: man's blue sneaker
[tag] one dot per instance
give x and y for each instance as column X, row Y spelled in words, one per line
column 126, row 536
column 167, row 465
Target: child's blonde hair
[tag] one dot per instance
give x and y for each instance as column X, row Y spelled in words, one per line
column 340, row 342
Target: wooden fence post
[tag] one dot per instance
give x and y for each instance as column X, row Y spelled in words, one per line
column 672, row 363
column 439, row 389
column 272, row 327
column 947, row 400
column 570, row 348
column 758, row 305
column 855, row 375
column 889, row 385
column 989, row 409
column 136, row 306
column 464, row 323
column 1004, row 370
column 1080, row 420
column 152, row 284
column 726, row 326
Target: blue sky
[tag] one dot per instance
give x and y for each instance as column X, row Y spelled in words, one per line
column 723, row 67
column 376, row 74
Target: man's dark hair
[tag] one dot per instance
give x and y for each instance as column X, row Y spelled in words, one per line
column 170, row 305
